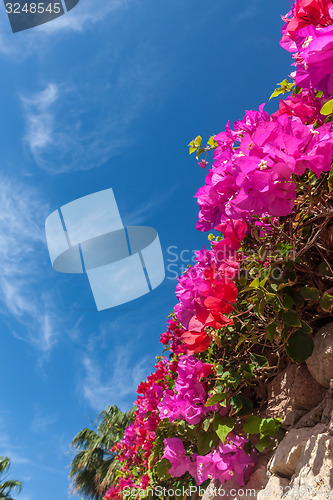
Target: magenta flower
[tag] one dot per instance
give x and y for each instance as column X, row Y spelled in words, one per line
column 227, row 461
column 253, row 177
column 315, row 48
column 304, row 106
column 169, row 407
column 174, row 451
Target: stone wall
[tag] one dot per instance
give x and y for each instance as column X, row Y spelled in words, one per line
column 300, row 465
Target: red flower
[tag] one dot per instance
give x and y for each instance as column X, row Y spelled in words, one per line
column 196, row 341
column 316, row 12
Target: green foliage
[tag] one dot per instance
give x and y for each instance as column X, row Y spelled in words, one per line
column 8, row 486
column 93, row 468
column 299, row 346
column 326, row 302
column 284, row 294
column 216, row 398
column 162, row 469
column 264, row 427
column 327, row 109
column 284, row 87
column 223, row 426
column 195, row 146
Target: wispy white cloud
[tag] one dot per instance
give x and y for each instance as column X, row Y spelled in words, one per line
column 55, row 132
column 137, row 215
column 86, row 12
column 71, row 127
column 21, row 456
column 10, row 449
column 24, row 296
column 40, row 123
column 42, row 422
column 117, row 383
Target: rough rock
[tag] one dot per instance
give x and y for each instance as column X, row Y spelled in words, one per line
column 314, row 472
column 320, row 414
column 273, row 489
column 293, row 390
column 291, row 450
column 320, row 364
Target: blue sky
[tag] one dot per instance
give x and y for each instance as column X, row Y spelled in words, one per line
column 109, row 95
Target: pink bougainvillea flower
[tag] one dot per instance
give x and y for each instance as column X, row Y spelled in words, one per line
column 196, row 341
column 203, row 163
column 227, row 461
column 233, row 229
column 174, row 451
column 318, row 13
column 304, row 106
column 254, row 177
column 315, row 53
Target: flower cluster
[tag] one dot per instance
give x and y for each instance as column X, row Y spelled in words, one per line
column 187, row 400
column 137, row 444
column 308, row 33
column 305, row 106
column 206, row 291
column 254, row 166
column 259, row 166
column 304, row 13
column 226, row 461
column 173, row 338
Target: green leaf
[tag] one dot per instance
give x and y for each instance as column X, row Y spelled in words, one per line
column 276, row 93
column 206, row 424
column 287, row 302
column 195, row 144
column 205, row 443
column 231, row 378
column 327, row 109
column 263, row 443
column 324, row 269
column 200, row 151
column 283, row 88
column 219, row 370
column 305, row 327
column 264, row 281
column 236, row 403
column 223, row 426
column 252, row 425
column 299, row 346
column 310, row 293
column 269, row 427
column 298, row 299
column 319, row 94
column 216, row 398
column 291, row 318
column 258, row 360
column 271, row 331
column 255, row 283
column 326, row 302
column 212, row 143
column 247, row 406
column 162, row 468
